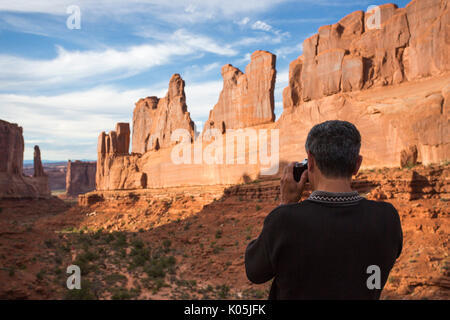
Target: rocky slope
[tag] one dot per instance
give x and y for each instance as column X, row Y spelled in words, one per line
column 188, row 242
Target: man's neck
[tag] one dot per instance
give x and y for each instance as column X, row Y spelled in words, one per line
column 334, row 185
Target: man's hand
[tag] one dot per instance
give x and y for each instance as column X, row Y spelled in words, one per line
column 291, row 190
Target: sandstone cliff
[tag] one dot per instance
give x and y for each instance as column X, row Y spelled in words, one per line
column 38, row 168
column 402, row 61
column 392, row 81
column 80, row 177
column 13, row 183
column 247, row 99
column 354, row 53
column 116, row 169
column 155, row 119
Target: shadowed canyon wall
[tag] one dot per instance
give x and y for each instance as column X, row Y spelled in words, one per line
column 80, row 177
column 13, row 183
column 391, row 80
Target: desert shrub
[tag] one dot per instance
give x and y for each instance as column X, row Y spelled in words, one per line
column 40, row 275
column 121, row 240
column 49, row 243
column 167, row 243
column 158, row 267
column 121, row 294
column 114, row 278
column 223, row 291
column 83, row 261
column 139, row 256
column 85, row 293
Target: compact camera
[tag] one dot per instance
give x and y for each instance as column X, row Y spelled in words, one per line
column 299, row 168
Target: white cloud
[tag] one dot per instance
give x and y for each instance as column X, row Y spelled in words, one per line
column 167, row 10
column 201, row 98
column 244, row 21
column 72, row 66
column 281, row 82
column 287, row 50
column 66, row 126
column 244, row 60
column 202, row 43
column 261, row 25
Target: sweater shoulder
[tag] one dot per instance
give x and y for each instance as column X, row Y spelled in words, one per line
column 284, row 210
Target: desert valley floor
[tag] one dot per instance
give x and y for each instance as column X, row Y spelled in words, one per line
column 188, row 243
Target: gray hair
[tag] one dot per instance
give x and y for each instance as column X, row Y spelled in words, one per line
column 335, row 146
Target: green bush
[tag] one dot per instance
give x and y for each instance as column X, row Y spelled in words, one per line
column 223, row 291
column 121, row 294
column 85, row 293
column 112, row 279
column 167, row 243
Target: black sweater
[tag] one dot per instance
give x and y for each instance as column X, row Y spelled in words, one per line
column 321, row 248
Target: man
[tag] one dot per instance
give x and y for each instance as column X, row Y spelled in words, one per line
column 335, row 244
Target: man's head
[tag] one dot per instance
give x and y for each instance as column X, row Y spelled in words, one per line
column 333, row 146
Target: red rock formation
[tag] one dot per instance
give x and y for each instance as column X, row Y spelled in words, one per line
column 13, row 184
column 38, row 168
column 116, row 169
column 350, row 55
column 350, row 71
column 80, row 177
column 155, row 119
column 408, row 157
column 11, row 148
column 247, row 99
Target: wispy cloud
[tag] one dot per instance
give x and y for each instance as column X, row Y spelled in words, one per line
column 261, row 25
column 192, row 10
column 284, row 51
column 67, row 125
column 73, row 66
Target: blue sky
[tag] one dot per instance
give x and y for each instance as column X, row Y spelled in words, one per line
column 65, row 86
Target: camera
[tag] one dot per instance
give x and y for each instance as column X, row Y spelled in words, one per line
column 299, row 168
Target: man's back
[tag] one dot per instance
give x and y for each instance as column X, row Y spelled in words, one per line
column 321, row 248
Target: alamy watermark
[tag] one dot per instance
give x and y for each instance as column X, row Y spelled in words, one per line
column 374, row 281
column 238, row 146
column 374, row 17
column 74, row 280
column 74, row 19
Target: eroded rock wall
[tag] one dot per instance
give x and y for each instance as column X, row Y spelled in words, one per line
column 390, row 79
column 116, row 168
column 359, row 53
column 154, row 119
column 80, row 177
column 247, row 99
column 13, row 183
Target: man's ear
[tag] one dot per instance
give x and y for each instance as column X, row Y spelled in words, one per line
column 358, row 164
column 311, row 162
